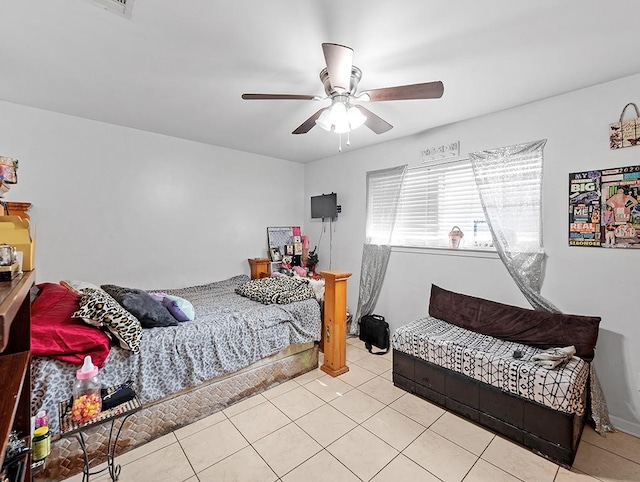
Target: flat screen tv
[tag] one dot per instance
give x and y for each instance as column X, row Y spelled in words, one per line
column 325, row 206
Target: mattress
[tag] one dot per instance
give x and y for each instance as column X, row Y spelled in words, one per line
column 229, row 333
column 490, row 360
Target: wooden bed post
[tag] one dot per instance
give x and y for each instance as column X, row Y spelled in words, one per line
column 334, row 327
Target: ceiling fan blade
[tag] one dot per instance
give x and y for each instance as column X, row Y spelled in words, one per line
column 307, row 125
column 279, row 97
column 428, row 90
column 339, row 61
column 373, row 122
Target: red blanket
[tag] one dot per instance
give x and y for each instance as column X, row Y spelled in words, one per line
column 56, row 334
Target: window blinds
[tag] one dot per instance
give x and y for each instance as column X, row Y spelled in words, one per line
column 438, row 196
column 434, row 199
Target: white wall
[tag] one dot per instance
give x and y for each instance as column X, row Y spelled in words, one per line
column 118, row 205
column 589, row 281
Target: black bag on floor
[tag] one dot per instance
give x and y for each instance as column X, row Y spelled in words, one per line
column 375, row 331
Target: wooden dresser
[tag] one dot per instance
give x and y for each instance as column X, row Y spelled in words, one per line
column 15, row 369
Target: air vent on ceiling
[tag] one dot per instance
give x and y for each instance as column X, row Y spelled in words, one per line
column 121, row 7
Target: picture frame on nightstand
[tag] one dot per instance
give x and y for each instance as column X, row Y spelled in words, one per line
column 275, row 253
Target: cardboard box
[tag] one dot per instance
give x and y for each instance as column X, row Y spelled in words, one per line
column 15, row 231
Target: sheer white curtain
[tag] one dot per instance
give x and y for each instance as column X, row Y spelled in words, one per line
column 383, row 193
column 509, row 181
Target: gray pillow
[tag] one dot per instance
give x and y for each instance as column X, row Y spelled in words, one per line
column 150, row 312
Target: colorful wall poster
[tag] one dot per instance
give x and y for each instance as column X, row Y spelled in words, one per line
column 604, row 208
column 584, row 209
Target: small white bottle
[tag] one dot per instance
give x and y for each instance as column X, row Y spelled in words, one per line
column 87, row 401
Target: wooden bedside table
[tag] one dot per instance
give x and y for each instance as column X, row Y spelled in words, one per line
column 259, row 267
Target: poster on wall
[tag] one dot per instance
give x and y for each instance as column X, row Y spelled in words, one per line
column 604, row 208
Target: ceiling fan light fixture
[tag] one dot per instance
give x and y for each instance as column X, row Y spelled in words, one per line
column 324, row 120
column 356, row 117
column 341, row 117
column 341, row 79
column 341, row 126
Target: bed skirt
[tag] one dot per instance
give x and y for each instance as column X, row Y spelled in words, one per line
column 166, row 415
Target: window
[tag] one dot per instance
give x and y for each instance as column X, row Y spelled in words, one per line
column 435, row 198
column 438, row 196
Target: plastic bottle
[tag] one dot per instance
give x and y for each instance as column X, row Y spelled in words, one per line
column 41, row 444
column 41, row 419
column 87, row 402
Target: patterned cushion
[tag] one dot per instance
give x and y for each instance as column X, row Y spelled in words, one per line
column 103, row 310
column 281, row 290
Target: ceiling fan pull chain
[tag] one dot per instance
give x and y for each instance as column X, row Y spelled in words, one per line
column 348, row 138
column 340, row 142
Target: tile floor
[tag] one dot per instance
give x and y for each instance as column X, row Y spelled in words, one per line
column 358, row 427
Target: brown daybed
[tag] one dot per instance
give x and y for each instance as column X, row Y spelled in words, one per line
column 462, row 358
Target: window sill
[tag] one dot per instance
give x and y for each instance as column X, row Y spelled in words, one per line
column 469, row 253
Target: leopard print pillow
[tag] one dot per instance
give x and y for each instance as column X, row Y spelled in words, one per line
column 100, row 309
column 280, row 290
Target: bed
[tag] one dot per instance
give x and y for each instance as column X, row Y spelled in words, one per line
column 235, row 347
column 477, row 358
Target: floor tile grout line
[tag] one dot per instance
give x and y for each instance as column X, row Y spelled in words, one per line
column 266, row 435
column 209, row 466
column 145, row 455
column 422, row 466
column 494, row 465
column 265, row 461
column 249, row 444
column 331, row 443
column 383, row 440
column 340, row 462
column 188, row 461
column 585, row 473
column 344, row 435
column 611, row 452
column 294, row 468
column 391, row 461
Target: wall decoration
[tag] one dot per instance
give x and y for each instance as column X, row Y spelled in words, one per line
column 281, row 241
column 445, row 151
column 625, row 133
column 604, row 208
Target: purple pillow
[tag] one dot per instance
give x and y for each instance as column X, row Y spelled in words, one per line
column 181, row 309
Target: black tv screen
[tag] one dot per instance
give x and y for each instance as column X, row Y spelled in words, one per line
column 325, row 206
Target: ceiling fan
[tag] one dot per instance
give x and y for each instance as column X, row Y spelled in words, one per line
column 340, row 79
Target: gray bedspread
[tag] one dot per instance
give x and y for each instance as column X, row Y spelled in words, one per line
column 229, row 333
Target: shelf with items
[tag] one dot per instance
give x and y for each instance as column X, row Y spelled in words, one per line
column 15, row 370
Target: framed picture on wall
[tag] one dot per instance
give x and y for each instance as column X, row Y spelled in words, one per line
column 604, row 208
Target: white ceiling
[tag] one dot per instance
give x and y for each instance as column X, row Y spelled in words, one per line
column 179, row 67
